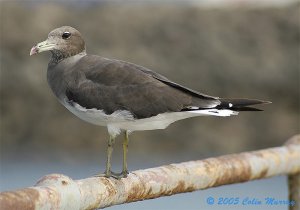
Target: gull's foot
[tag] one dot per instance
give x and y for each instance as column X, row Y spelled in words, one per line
column 101, row 175
column 112, row 174
column 123, row 174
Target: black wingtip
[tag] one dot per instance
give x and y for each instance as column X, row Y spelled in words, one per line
column 242, row 104
column 244, row 101
column 247, row 108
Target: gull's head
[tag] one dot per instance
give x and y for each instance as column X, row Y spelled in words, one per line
column 64, row 41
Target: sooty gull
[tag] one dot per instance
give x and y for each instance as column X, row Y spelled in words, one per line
column 120, row 95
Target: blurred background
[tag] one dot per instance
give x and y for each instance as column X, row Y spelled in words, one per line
column 223, row 48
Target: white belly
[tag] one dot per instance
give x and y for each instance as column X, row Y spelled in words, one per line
column 124, row 120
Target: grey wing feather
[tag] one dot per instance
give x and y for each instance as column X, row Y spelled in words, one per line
column 112, row 85
column 173, row 84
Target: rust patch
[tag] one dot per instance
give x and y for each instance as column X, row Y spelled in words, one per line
column 22, row 199
column 262, row 174
column 51, row 179
column 105, row 197
column 134, row 194
column 156, row 176
column 139, row 191
column 235, row 169
column 149, row 191
column 208, row 165
column 109, row 186
column 190, row 189
column 170, row 167
column 179, row 187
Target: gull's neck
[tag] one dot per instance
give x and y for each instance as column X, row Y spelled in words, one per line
column 58, row 56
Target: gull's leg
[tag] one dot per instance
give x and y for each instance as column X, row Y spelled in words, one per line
column 108, row 173
column 111, row 142
column 124, row 172
column 125, row 150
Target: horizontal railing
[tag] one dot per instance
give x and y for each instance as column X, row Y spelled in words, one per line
column 57, row 191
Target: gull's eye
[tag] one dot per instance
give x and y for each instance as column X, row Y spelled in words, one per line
column 66, row 35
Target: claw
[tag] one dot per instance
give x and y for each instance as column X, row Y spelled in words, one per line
column 112, row 174
column 100, row 175
column 118, row 175
column 123, row 174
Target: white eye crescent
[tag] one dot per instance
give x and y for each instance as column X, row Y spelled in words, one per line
column 66, row 35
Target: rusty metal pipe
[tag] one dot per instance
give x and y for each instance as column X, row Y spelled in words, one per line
column 58, row 191
column 294, row 181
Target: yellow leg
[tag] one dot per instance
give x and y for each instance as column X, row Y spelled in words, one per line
column 125, row 150
column 110, row 149
column 108, row 173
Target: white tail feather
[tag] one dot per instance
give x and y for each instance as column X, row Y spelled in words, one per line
column 215, row 112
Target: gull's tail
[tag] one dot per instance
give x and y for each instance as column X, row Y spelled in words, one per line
column 239, row 104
